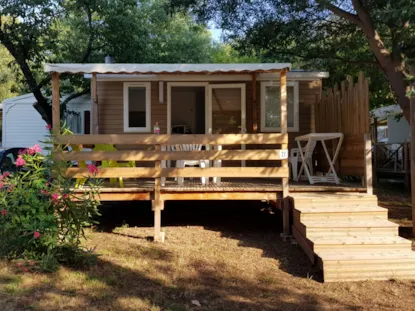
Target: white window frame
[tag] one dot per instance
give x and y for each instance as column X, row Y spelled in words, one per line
column 294, row 128
column 147, row 128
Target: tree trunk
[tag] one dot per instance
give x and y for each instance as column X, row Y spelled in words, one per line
column 412, row 172
column 399, row 85
column 393, row 69
column 42, row 105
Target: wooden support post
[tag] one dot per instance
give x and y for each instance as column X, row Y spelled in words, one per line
column 56, row 104
column 94, row 98
column 374, row 154
column 284, row 162
column 286, row 218
column 157, row 204
column 412, row 123
column 254, row 105
column 368, row 164
column 283, row 101
column 158, row 235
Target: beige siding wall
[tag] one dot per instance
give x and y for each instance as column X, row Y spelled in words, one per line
column 110, row 105
column 110, row 97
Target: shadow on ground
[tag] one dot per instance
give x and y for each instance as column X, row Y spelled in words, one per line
column 252, row 223
column 214, row 287
column 117, row 282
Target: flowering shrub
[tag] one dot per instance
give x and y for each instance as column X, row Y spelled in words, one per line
column 42, row 216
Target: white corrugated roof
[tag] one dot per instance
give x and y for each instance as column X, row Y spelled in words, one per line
column 166, row 68
column 384, row 112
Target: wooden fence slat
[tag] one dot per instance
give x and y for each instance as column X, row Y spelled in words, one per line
column 343, row 105
column 165, row 139
column 137, row 155
column 345, row 108
column 144, row 172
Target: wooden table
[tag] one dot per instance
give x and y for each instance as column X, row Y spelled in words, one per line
column 331, row 176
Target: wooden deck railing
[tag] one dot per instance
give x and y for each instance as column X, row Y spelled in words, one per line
column 154, row 143
column 392, row 157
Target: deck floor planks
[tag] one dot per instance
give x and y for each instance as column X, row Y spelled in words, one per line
column 226, row 185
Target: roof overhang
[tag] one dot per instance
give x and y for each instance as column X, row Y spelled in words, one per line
column 291, row 75
column 204, row 69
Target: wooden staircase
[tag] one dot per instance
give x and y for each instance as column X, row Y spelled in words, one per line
column 350, row 237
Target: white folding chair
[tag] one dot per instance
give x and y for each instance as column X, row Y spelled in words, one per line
column 184, row 163
column 295, row 158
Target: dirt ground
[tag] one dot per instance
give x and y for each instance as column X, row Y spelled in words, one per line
column 217, row 256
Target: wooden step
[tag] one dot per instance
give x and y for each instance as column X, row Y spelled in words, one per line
column 342, row 215
column 358, row 266
column 388, row 273
column 351, row 238
column 351, row 228
column 314, row 200
column 340, row 209
column 337, row 258
column 320, row 244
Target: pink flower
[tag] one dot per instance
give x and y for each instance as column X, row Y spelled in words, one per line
column 24, row 269
column 44, row 192
column 48, row 127
column 36, row 234
column 18, row 264
column 11, row 187
column 4, row 212
column 22, row 152
column 34, row 149
column 92, row 169
column 47, row 184
column 6, row 174
column 20, row 161
column 55, row 197
column 65, row 196
column 1, row 185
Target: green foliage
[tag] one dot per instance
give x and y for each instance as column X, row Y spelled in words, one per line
column 43, row 219
column 225, row 53
column 71, row 31
column 311, row 36
column 9, row 85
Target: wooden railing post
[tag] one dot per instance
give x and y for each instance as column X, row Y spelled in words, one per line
column 94, row 97
column 157, row 203
column 368, row 163
column 56, row 104
column 284, row 146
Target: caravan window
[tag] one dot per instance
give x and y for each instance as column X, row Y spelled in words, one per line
column 74, row 122
column 271, row 108
column 137, row 107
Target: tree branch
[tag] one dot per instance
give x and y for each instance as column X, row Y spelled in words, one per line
column 75, row 95
column 342, row 13
column 308, row 56
column 91, row 36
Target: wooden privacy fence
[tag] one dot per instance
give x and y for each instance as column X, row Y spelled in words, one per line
column 345, row 109
column 153, row 152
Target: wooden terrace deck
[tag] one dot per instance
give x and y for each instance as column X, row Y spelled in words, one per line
column 231, row 185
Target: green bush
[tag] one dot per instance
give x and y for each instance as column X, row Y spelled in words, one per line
column 42, row 218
